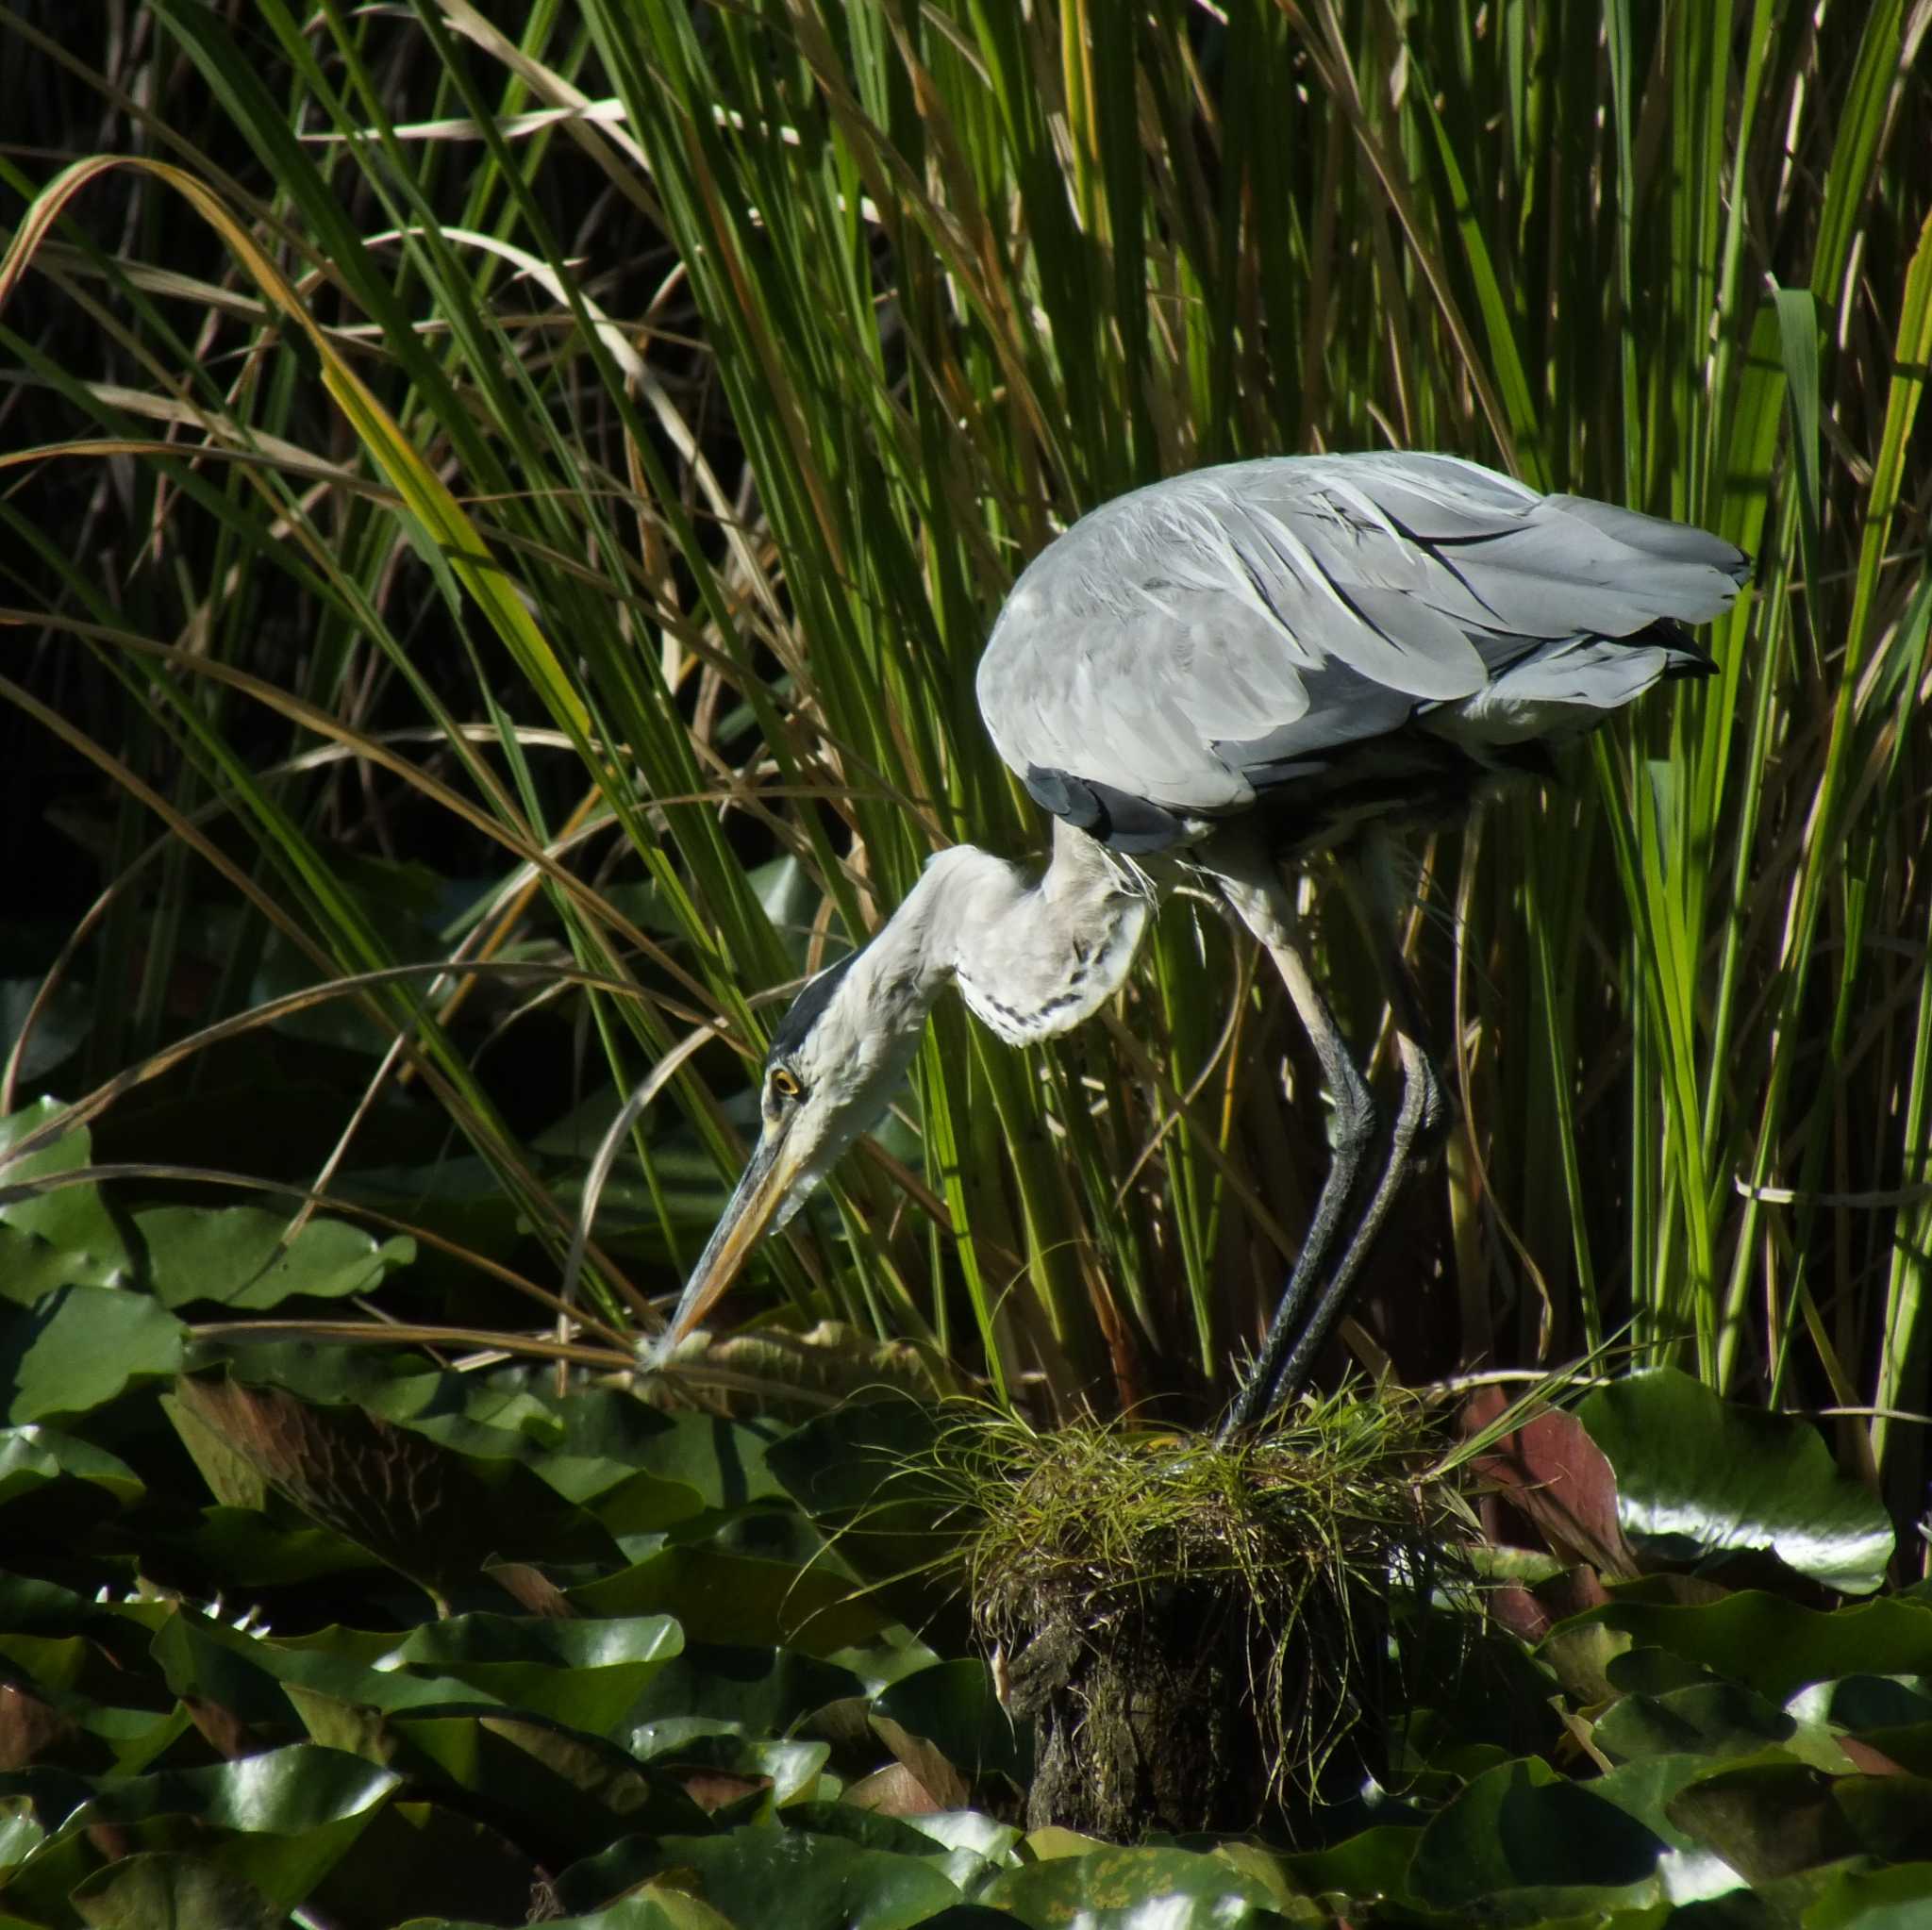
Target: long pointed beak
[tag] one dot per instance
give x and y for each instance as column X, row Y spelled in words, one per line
column 759, row 1195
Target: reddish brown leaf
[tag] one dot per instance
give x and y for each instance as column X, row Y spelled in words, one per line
column 1872, row 1762
column 894, row 1790
column 1552, row 1473
column 28, row 1726
column 226, row 1732
column 532, row 1588
column 925, row 1760
column 711, row 1789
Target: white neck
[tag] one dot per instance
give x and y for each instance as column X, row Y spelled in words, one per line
column 1031, row 957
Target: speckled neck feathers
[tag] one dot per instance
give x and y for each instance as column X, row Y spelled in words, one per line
column 1032, row 956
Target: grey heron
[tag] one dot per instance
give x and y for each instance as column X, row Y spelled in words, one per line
column 1216, row 675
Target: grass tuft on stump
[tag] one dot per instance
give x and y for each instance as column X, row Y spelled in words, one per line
column 1200, row 1631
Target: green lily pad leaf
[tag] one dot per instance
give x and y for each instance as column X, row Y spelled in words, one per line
column 1118, row 1890
column 563, row 1793
column 741, row 1600
column 242, row 1257
column 666, row 1910
column 63, row 1236
column 1643, row 1787
column 1766, row 1819
column 263, row 1682
column 745, row 1691
column 77, row 1347
column 282, row 1793
column 1770, row 1645
column 585, row 1674
column 140, row 1893
column 1857, row 1702
column 1520, row 1826
column 424, row 1860
column 865, row 1468
column 1373, row 1862
column 32, row 1456
column 1707, row 1719
column 21, row 1831
column 773, row 1879
column 954, row 1707
column 967, row 1829
column 1891, row 1816
column 1897, row 1899
column 1697, row 1476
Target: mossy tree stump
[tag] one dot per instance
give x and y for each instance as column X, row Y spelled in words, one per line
column 1198, row 1632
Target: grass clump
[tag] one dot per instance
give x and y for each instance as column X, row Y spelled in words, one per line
column 1197, row 1629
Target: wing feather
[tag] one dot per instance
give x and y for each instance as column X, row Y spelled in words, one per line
column 1194, row 641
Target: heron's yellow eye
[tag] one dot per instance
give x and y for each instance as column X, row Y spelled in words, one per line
column 785, row 1084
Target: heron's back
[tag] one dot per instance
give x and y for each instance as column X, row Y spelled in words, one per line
column 1331, row 638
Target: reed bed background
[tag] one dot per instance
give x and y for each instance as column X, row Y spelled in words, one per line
column 502, row 504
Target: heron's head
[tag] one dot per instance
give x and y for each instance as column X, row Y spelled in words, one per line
column 838, row 1057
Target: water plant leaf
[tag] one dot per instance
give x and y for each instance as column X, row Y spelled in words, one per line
column 32, row 1456
column 164, row 1887
column 1121, row 1889
column 1704, row 1719
column 1770, row 1645
column 741, row 1600
column 243, row 1258
column 761, row 1878
column 753, row 1691
column 1520, row 1826
column 663, row 1910
column 77, row 1347
column 585, row 1674
column 954, row 1707
column 1552, row 1473
column 1766, row 1819
column 64, row 1235
column 1697, row 1476
column 1895, row 1898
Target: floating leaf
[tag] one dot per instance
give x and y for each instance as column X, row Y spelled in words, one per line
column 1520, row 1826
column 1713, row 1718
column 1697, row 1476
column 773, row 1879
column 1899, row 1899
column 1766, row 1819
column 169, row 1888
column 63, row 1236
column 77, row 1347
column 1109, row 1888
column 243, row 1258
column 585, row 1674
column 1770, row 1645
column 32, row 1456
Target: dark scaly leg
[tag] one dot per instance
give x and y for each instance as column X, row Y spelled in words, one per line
column 1265, row 906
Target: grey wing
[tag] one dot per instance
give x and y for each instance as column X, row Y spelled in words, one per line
column 1196, row 641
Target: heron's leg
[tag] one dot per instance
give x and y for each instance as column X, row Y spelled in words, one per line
column 1422, row 1105
column 1266, row 909
column 1419, row 1121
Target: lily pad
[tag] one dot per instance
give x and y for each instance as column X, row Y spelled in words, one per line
column 1699, row 1478
column 59, row 1236
column 247, row 1259
column 1520, row 1826
column 77, row 1347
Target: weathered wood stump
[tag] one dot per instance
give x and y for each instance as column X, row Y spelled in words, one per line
column 1198, row 1633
